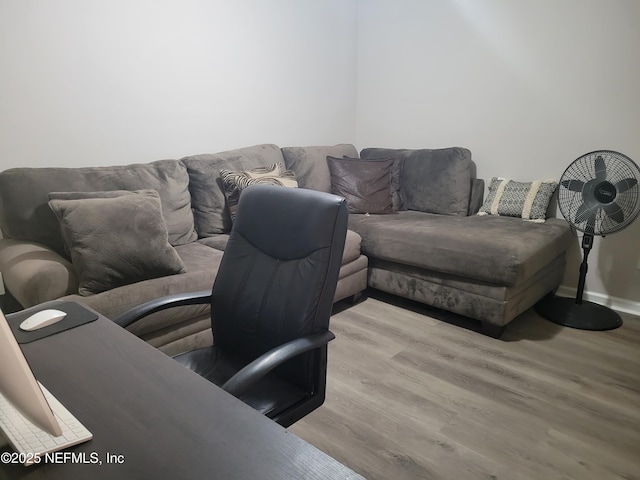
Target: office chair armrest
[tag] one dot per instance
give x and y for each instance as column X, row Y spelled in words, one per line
column 247, row 376
column 162, row 303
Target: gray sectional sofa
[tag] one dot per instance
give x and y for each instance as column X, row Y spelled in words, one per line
column 431, row 247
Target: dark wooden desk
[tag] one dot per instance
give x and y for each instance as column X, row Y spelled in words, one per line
column 157, row 418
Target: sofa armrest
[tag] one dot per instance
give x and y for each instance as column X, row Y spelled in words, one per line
column 477, row 195
column 34, row 273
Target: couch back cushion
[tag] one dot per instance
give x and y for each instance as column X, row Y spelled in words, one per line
column 432, row 180
column 310, row 164
column 24, row 197
column 207, row 191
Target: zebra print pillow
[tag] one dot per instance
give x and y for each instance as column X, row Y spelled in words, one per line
column 234, row 182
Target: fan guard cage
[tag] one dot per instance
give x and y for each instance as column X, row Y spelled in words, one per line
column 620, row 171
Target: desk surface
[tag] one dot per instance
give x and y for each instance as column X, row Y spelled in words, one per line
column 158, row 418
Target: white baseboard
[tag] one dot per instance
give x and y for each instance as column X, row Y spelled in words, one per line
column 616, row 303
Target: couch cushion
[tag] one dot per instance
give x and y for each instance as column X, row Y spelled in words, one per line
column 310, row 164
column 498, row 250
column 207, row 197
column 432, row 181
column 219, row 242
column 116, row 241
column 366, row 185
column 24, row 196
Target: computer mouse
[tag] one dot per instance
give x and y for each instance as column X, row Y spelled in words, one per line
column 42, row 319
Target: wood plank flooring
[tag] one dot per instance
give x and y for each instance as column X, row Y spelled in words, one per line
column 416, row 393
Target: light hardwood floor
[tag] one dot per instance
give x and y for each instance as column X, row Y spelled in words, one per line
column 411, row 396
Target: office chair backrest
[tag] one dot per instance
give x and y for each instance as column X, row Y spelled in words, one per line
column 278, row 275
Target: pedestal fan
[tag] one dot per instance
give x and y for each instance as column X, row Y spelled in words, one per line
column 598, row 195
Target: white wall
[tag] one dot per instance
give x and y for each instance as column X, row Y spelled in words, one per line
column 528, row 86
column 94, row 82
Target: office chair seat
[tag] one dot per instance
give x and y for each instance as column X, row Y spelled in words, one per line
column 270, row 395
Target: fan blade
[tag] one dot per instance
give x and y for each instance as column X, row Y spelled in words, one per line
column 626, row 184
column 583, row 213
column 614, row 211
column 601, row 169
column 591, row 224
column 573, row 185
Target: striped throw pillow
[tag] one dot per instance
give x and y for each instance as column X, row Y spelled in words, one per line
column 528, row 200
column 236, row 181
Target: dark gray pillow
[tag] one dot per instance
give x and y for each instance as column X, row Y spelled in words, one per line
column 116, row 241
column 84, row 195
column 396, row 171
column 310, row 164
column 365, row 185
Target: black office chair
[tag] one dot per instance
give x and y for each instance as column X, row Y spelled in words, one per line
column 271, row 301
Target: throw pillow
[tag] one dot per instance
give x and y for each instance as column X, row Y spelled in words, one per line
column 84, row 195
column 528, row 200
column 116, row 241
column 234, row 182
column 396, row 172
column 366, row 185
column 310, row 163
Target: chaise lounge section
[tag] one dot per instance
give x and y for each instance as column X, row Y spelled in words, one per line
column 433, row 247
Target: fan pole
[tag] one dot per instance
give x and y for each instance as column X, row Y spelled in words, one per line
column 587, row 243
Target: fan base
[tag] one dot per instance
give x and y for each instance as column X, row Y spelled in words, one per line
column 585, row 316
